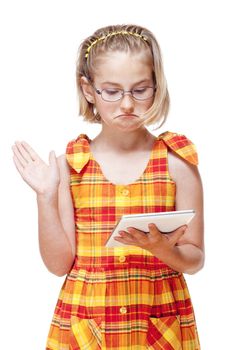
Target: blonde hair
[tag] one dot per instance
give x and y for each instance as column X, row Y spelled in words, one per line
column 122, row 38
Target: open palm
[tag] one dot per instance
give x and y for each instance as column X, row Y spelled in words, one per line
column 41, row 177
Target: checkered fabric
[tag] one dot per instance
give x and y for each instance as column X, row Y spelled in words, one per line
column 122, row 298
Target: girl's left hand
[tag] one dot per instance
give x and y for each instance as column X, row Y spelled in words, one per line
column 154, row 241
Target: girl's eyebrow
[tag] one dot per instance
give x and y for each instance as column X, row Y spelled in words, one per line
column 117, row 84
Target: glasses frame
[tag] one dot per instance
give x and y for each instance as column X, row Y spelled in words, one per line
column 123, row 92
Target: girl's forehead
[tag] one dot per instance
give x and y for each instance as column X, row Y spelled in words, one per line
column 127, row 64
column 123, row 56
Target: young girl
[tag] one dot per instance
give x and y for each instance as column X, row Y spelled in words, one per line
column 133, row 296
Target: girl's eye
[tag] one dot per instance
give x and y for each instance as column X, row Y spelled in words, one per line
column 112, row 91
column 140, row 90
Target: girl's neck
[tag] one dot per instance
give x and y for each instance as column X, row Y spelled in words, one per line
column 120, row 141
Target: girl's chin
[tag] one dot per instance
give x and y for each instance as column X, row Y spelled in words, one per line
column 126, row 127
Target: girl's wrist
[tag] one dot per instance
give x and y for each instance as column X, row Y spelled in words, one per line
column 47, row 197
column 162, row 253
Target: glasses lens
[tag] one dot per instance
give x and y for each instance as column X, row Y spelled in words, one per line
column 111, row 94
column 143, row 93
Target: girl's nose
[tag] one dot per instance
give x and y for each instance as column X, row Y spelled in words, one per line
column 127, row 103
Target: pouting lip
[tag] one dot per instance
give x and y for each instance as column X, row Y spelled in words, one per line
column 127, row 115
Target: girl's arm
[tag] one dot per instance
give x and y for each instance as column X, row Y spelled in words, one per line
column 189, row 249
column 56, row 225
column 55, row 208
column 182, row 250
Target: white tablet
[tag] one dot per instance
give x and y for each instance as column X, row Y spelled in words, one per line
column 166, row 222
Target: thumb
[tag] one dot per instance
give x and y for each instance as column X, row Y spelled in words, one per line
column 177, row 234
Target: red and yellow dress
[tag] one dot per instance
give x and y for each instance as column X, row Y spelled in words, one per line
column 122, row 298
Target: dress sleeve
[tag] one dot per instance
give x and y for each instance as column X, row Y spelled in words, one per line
column 181, row 145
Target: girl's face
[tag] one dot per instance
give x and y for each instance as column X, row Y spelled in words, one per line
column 126, row 71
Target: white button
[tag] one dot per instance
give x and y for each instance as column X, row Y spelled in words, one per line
column 123, row 310
column 122, row 258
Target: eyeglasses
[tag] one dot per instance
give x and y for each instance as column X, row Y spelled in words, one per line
column 113, row 95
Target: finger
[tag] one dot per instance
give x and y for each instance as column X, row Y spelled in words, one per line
column 133, row 229
column 23, row 152
column 125, row 234
column 136, row 234
column 30, row 151
column 18, row 155
column 177, row 234
column 125, row 240
column 52, row 158
column 153, row 230
column 18, row 165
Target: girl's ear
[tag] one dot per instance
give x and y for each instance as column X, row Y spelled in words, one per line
column 87, row 89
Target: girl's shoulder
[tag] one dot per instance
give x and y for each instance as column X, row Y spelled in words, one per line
column 180, row 145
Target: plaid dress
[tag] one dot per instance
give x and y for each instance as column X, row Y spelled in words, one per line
column 124, row 297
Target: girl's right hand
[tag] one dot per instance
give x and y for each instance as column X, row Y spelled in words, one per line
column 42, row 178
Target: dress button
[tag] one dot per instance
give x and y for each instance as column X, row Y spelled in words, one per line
column 122, row 258
column 123, row 310
column 125, row 192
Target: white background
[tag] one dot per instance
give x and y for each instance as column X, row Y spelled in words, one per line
column 39, row 41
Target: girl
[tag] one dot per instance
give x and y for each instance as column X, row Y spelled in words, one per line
column 133, row 296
